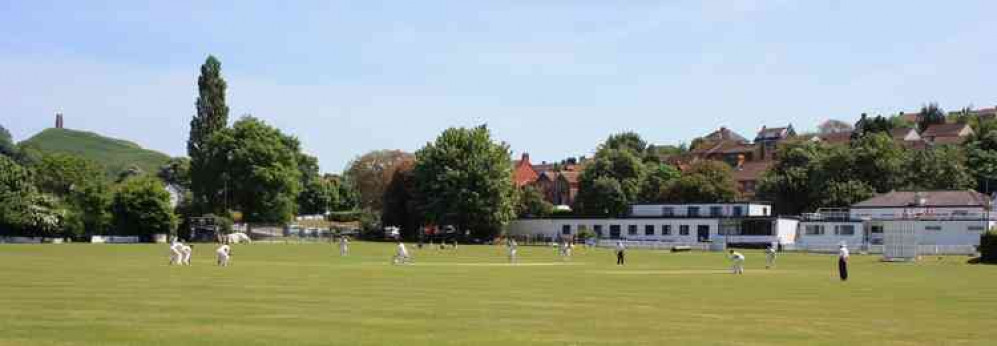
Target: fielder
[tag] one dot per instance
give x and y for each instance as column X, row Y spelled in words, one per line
column 224, row 253
column 401, row 256
column 176, row 256
column 620, row 253
column 770, row 255
column 843, row 255
column 738, row 259
column 186, row 251
column 344, row 246
column 513, row 250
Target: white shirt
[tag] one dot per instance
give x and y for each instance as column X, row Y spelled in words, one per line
column 402, row 251
column 843, row 253
column 620, row 246
column 737, row 256
column 223, row 250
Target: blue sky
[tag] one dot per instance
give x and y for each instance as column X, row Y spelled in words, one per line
column 551, row 77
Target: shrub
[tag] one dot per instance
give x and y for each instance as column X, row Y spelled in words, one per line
column 988, row 246
column 345, row 216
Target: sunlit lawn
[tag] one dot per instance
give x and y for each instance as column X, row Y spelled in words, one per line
column 81, row 294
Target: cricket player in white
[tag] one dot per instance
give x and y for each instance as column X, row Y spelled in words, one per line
column 344, row 246
column 176, row 256
column 224, row 253
column 513, row 249
column 738, row 260
column 770, row 255
column 401, row 256
column 843, row 255
column 186, row 251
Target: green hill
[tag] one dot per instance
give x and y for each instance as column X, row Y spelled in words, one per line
column 114, row 154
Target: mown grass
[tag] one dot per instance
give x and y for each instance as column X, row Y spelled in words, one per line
column 81, row 294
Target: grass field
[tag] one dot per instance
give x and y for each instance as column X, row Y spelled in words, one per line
column 83, row 294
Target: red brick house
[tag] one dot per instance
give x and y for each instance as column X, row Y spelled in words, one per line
column 523, row 172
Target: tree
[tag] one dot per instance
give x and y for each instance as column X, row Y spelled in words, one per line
column 981, row 157
column 625, row 141
column 939, row 168
column 211, row 117
column 623, row 166
column 705, row 181
column 834, row 126
column 931, row 114
column 7, row 146
column 866, row 126
column 604, row 196
column 464, row 179
column 142, row 207
column 264, row 178
column 80, row 187
column 176, row 173
column 532, row 203
column 661, row 153
column 879, row 162
column 400, row 205
column 371, row 173
column 654, row 188
column 790, row 183
column 16, row 194
column 317, row 197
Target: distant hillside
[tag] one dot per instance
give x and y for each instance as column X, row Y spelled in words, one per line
column 114, row 154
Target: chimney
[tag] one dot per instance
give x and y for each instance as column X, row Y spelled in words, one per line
column 58, row 120
column 740, row 162
column 526, row 158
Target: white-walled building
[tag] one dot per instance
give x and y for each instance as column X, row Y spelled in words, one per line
column 732, row 223
column 711, row 210
column 939, row 218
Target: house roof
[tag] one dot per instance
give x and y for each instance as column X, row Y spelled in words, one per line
column 945, row 130
column 774, row 133
column 901, row 133
column 752, row 171
column 899, row 199
column 837, row 137
column 724, row 134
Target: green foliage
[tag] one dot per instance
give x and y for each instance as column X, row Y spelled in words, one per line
column 790, row 184
column 206, row 171
column 604, row 196
column 878, row 161
column 625, row 141
column 931, row 114
column 260, row 164
column 939, row 168
column 878, row 124
column 7, row 147
column 654, row 188
column 981, row 156
column 112, row 155
column 317, row 197
column 81, row 189
column 142, row 207
column 988, row 247
column 16, row 194
column 464, row 179
column 705, row 181
column 623, row 166
column 532, row 203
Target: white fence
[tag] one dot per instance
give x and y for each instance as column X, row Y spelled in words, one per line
column 113, row 239
column 652, row 245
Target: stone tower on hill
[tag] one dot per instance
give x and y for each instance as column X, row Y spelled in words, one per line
column 58, row 120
